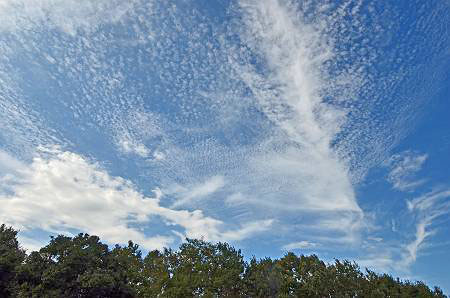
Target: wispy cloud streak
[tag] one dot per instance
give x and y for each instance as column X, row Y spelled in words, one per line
column 289, row 85
column 403, row 168
column 427, row 209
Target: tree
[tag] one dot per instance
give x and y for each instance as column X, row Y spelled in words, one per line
column 314, row 277
column 126, row 266
column 11, row 257
column 76, row 267
column 83, row 266
column 262, row 278
column 347, row 279
column 200, row 268
column 31, row 279
column 155, row 274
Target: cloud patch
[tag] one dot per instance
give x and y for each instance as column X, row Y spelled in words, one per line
column 403, row 169
column 399, row 255
column 300, row 245
column 63, row 191
column 67, row 16
column 198, row 191
column 427, row 209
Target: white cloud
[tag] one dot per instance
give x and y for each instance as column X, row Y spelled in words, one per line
column 427, row 208
column 403, row 167
column 382, row 262
column 10, row 169
column 66, row 191
column 158, row 155
column 60, row 190
column 65, row 15
column 376, row 239
column 413, row 247
column 292, row 170
column 397, row 256
column 188, row 194
column 300, row 245
column 128, row 145
column 386, row 257
column 248, row 229
column 312, row 181
column 9, row 163
column 136, row 129
column 296, row 167
column 430, row 203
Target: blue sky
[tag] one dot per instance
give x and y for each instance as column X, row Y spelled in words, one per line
column 313, row 126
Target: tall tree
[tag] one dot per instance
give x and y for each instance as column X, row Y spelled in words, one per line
column 200, row 268
column 155, row 274
column 77, row 267
column 262, row 278
column 11, row 257
column 126, row 266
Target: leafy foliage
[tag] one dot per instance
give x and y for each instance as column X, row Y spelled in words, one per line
column 11, row 257
column 83, row 266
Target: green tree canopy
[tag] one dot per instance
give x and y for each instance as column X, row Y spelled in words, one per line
column 83, row 266
column 11, row 257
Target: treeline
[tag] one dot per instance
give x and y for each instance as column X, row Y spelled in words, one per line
column 85, row 267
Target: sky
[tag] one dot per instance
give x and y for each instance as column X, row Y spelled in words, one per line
column 319, row 127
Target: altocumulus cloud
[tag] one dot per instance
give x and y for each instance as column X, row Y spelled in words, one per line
column 67, row 16
column 61, row 191
column 288, row 73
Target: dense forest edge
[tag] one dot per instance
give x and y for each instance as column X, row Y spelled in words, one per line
column 83, row 266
